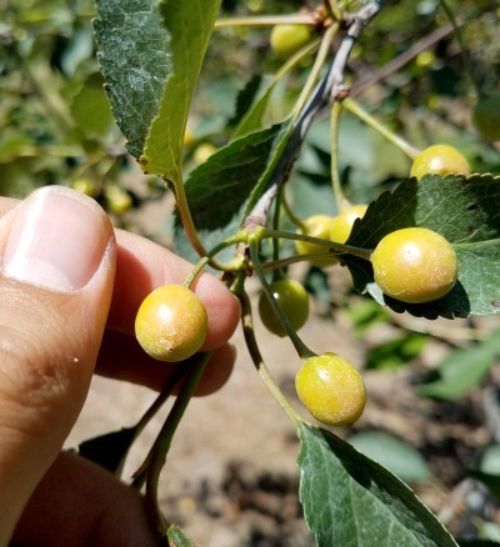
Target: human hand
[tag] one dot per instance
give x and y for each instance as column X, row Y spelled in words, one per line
column 69, row 290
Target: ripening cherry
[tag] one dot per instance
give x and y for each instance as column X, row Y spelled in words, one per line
column 293, row 300
column 171, row 324
column 287, row 39
column 440, row 159
column 331, row 389
column 318, row 226
column 415, row 265
column 342, row 224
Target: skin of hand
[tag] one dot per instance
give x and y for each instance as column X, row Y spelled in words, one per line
column 70, row 286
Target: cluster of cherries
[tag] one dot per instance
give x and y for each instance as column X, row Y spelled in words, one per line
column 413, row 265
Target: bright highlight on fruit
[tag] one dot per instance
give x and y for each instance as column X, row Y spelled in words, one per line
column 293, row 300
column 439, row 159
column 288, row 39
column 318, row 226
column 342, row 224
column 331, row 389
column 415, row 265
column 171, row 324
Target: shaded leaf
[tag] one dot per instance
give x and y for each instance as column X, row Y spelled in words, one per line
column 396, row 455
column 466, row 211
column 351, row 501
column 219, row 190
column 109, row 450
column 246, row 98
column 463, row 369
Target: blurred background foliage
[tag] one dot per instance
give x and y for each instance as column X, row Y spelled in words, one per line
column 57, row 128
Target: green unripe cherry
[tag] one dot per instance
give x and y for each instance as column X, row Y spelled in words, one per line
column 440, row 159
column 287, row 39
column 415, row 265
column 331, row 389
column 171, row 324
column 318, row 226
column 342, row 224
column 293, row 300
column 486, row 117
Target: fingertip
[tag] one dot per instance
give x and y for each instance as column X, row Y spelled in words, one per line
column 223, row 310
column 218, row 371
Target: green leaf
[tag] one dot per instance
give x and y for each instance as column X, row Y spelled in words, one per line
column 151, row 54
column 135, row 57
column 396, row 352
column 466, row 211
column 109, row 450
column 396, row 455
column 177, row 537
column 219, row 190
column 190, row 25
column 245, row 99
column 463, row 369
column 351, row 501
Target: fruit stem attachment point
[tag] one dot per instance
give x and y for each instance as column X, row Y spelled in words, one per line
column 303, row 351
column 336, row 248
column 355, row 108
column 260, row 365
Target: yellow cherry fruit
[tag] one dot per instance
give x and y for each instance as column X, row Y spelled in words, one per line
column 287, row 39
column 440, row 159
column 415, row 265
column 171, row 324
column 331, row 389
column 342, row 224
column 293, row 299
column 318, row 226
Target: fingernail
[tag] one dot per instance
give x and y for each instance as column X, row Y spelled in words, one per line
column 57, row 240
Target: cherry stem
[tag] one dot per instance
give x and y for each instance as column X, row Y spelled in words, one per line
column 157, row 456
column 335, row 248
column 355, row 108
column 292, row 216
column 340, row 199
column 258, row 360
column 185, row 215
column 298, row 344
column 284, row 262
column 267, row 21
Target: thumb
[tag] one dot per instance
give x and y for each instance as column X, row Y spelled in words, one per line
column 57, row 257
